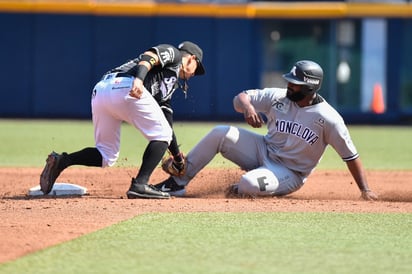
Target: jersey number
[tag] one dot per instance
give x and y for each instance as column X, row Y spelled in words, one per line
column 261, row 183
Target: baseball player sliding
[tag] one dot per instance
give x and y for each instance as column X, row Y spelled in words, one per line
column 138, row 92
column 300, row 125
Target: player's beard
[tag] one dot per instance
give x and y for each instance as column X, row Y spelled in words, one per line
column 295, row 96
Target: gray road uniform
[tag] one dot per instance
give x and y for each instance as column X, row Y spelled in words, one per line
column 279, row 162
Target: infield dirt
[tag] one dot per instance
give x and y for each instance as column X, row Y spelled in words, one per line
column 30, row 224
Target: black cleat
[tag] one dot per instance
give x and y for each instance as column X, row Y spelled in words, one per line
column 145, row 191
column 232, row 191
column 50, row 172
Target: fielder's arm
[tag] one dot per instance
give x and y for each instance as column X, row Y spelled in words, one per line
column 178, row 163
column 147, row 60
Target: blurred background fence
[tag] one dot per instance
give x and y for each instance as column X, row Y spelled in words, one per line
column 53, row 52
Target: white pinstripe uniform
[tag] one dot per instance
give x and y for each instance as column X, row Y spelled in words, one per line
column 279, row 162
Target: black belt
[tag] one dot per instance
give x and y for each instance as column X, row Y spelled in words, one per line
column 115, row 75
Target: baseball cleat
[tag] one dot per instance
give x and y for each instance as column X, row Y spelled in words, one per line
column 170, row 186
column 145, row 191
column 232, row 191
column 50, row 172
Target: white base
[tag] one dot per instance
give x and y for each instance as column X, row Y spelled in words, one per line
column 59, row 189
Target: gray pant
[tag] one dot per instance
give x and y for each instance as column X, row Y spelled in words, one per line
column 263, row 176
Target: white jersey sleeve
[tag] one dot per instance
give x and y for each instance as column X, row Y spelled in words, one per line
column 297, row 137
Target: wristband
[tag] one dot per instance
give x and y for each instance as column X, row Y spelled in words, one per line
column 141, row 72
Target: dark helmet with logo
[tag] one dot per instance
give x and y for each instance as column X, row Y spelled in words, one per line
column 307, row 74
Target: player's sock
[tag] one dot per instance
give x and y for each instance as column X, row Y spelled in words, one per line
column 86, row 157
column 151, row 158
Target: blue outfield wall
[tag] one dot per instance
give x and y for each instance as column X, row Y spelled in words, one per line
column 51, row 62
column 53, row 54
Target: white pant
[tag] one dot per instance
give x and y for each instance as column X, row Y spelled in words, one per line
column 248, row 150
column 112, row 104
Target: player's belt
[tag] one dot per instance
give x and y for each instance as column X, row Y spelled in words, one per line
column 116, row 74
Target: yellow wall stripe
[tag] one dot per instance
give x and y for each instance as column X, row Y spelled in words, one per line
column 249, row 10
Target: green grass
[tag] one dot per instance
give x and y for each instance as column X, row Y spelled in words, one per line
column 380, row 147
column 235, row 243
column 27, row 142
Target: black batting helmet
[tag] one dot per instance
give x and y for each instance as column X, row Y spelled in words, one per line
column 306, row 73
